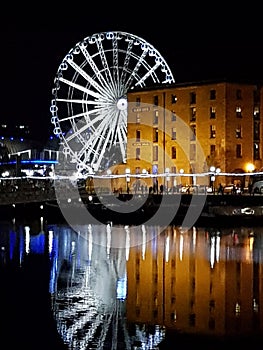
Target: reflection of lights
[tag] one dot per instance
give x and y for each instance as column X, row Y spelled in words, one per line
column 214, row 250
column 181, row 246
column 73, row 247
column 50, row 240
column 255, row 305
column 108, row 230
column 128, row 242
column 237, row 309
column 122, row 288
column 167, row 248
column 27, row 239
column 41, row 223
column 194, row 236
column 143, row 242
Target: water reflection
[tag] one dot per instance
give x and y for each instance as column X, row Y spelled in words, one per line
column 196, row 282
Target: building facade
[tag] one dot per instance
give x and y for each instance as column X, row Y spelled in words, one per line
column 194, row 127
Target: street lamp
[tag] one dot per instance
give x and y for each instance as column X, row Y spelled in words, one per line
column 215, row 171
column 128, row 179
column 181, row 171
column 167, row 173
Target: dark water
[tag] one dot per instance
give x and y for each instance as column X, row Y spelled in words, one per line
column 130, row 287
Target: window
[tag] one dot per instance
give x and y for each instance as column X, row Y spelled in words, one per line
column 193, row 133
column 238, row 94
column 138, row 153
column 173, row 133
column 238, row 112
column 173, row 152
column 155, row 134
column 212, row 150
column 238, row 151
column 155, row 153
column 238, row 132
column 212, row 112
column 256, row 151
column 155, row 117
column 173, row 117
column 212, row 131
column 256, row 112
column 256, row 130
column 193, row 114
column 138, row 135
column 138, row 101
column 173, row 98
column 192, row 98
column 212, row 94
column 155, row 100
column 173, row 169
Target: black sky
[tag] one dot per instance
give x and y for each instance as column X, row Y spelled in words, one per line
column 195, row 46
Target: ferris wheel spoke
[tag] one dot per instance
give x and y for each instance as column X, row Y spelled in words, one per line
column 101, row 154
column 115, row 54
column 126, row 63
column 136, row 69
column 122, row 142
column 92, row 82
column 93, row 66
column 146, row 76
column 76, row 116
column 105, row 63
column 88, row 125
column 80, row 88
column 97, row 138
column 97, row 72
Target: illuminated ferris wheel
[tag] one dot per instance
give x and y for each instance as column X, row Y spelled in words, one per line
column 89, row 105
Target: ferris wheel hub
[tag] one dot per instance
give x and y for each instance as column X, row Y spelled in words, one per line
column 122, row 104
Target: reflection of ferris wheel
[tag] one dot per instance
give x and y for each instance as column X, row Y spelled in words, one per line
column 89, row 108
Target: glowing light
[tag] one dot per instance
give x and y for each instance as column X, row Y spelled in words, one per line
column 27, row 239
column 50, row 240
column 250, row 167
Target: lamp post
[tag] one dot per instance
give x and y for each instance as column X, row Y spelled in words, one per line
column 212, row 178
column 128, row 179
column 181, row 171
column 167, row 177
column 215, row 171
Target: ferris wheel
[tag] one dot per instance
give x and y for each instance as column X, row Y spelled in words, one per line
column 89, row 104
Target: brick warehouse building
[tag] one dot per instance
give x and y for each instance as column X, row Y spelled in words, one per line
column 191, row 127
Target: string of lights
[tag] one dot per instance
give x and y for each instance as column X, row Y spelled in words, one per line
column 117, row 176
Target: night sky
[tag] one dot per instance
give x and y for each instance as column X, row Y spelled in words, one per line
column 208, row 45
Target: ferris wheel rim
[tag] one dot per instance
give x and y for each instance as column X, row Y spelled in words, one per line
column 96, row 103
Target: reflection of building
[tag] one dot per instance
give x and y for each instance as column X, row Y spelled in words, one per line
column 194, row 126
column 192, row 281
column 197, row 283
